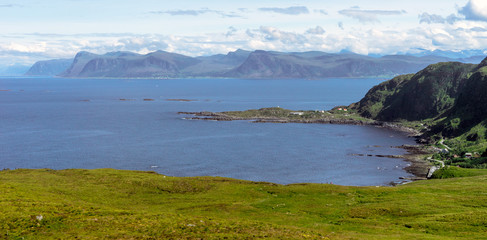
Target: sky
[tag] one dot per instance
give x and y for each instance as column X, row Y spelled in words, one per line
column 32, row 30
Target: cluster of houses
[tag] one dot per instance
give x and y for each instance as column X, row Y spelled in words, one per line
column 466, row 155
column 320, row 111
column 471, row 155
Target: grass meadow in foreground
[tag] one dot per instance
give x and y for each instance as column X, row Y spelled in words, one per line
column 119, row 204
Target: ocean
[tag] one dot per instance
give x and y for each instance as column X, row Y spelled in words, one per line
column 134, row 124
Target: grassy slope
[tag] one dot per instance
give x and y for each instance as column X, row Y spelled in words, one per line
column 118, row 204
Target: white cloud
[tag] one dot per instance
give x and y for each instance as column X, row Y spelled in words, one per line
column 321, row 11
column 430, row 18
column 368, row 15
column 478, row 29
column 475, row 10
column 51, row 46
column 231, row 31
column 434, row 18
column 296, row 10
column 23, row 48
column 460, row 35
column 340, row 25
column 274, row 34
column 317, row 30
column 197, row 12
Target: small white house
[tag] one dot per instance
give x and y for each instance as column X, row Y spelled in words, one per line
column 297, row 113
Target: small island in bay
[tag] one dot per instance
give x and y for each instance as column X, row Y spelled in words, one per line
column 179, row 100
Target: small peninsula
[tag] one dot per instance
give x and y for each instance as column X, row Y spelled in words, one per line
column 338, row 115
column 443, row 105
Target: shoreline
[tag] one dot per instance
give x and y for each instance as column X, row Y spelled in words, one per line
column 418, row 166
column 414, row 156
column 215, row 116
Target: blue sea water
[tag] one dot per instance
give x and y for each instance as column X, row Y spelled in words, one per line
column 83, row 123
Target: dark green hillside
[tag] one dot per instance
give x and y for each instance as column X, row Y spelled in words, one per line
column 379, row 96
column 427, row 94
column 445, row 100
column 471, row 108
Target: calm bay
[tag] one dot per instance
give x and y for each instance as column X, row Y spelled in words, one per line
column 133, row 124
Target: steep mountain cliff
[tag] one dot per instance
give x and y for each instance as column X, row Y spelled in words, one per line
column 452, row 95
column 78, row 63
column 470, row 109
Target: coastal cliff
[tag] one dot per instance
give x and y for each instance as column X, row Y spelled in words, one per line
column 448, row 98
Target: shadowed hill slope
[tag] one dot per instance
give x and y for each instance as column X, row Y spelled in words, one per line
column 453, row 94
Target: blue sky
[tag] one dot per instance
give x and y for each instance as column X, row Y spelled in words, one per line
column 32, row 30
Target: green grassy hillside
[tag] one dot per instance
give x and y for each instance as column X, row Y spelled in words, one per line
column 115, row 204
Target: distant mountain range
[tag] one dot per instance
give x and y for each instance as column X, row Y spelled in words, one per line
column 239, row 64
column 49, row 68
column 13, row 70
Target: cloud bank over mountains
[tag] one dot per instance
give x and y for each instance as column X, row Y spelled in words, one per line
column 363, row 28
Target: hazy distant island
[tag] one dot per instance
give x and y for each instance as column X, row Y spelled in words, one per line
column 257, row 64
column 49, row 67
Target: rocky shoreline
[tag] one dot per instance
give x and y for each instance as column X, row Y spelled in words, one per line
column 419, row 167
column 415, row 156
